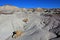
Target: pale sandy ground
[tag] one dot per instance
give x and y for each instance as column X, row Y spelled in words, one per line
column 6, row 28
column 6, row 21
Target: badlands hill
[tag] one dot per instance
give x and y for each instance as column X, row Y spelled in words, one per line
column 9, row 9
column 46, row 19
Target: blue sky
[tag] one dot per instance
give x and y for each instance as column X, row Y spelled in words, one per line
column 32, row 3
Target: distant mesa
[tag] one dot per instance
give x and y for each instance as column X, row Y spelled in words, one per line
column 9, row 9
